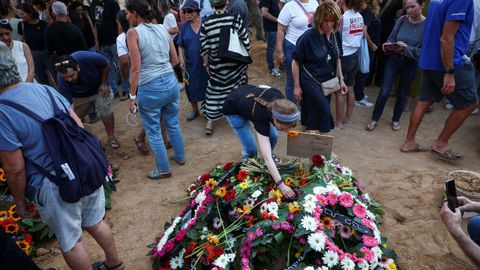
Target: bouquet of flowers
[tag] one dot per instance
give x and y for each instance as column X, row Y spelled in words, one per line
column 236, row 218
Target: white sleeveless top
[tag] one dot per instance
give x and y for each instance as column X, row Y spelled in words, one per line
column 20, row 60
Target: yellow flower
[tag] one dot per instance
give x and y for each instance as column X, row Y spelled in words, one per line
column 244, row 185
column 292, row 133
column 392, row 266
column 15, row 217
column 348, row 184
column 245, row 209
column 2, row 176
column 11, row 228
column 299, row 253
column 211, row 183
column 294, row 207
column 288, row 181
column 384, row 245
column 276, row 194
column 24, row 245
column 221, row 192
column 12, row 209
column 212, row 239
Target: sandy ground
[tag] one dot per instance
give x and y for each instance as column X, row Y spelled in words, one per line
column 409, row 186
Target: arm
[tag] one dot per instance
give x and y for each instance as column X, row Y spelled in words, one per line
column 343, row 86
column 31, row 66
column 124, row 66
column 373, row 47
column 297, row 90
column 279, row 42
column 173, row 54
column 104, row 88
column 266, row 151
column 447, row 47
column 14, row 166
column 453, row 222
column 135, row 63
column 173, row 30
column 75, row 117
column 181, row 56
column 267, row 15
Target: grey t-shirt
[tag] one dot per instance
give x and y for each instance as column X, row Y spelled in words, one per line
column 411, row 34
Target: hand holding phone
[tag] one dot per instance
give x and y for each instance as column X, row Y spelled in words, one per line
column 451, row 193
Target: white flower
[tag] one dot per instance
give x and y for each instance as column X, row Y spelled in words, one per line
column 309, row 206
column 320, row 190
column 309, row 268
column 223, row 260
column 374, row 264
column 167, row 233
column 250, row 202
column 347, row 264
column 263, row 208
column 176, row 262
column 200, row 197
column 347, row 171
column 323, row 268
column 310, row 197
column 371, row 215
column 317, row 241
column 377, row 251
column 256, row 194
column 330, row 258
column 367, row 197
column 363, row 265
column 309, row 223
column 217, row 223
column 272, row 207
column 333, row 188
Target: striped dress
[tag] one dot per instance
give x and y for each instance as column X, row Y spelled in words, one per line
column 224, row 76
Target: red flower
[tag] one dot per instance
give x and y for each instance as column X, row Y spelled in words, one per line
column 303, row 182
column 227, row 166
column 28, row 238
column 242, row 175
column 318, row 161
column 209, row 255
column 191, row 247
column 230, row 195
column 205, row 177
column 217, row 252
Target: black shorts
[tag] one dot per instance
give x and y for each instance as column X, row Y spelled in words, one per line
column 349, row 68
column 464, row 94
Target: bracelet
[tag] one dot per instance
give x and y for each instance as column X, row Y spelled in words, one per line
column 279, row 183
column 132, row 96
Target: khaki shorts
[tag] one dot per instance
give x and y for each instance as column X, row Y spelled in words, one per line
column 83, row 105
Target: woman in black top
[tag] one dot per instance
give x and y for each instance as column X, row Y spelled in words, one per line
column 33, row 31
column 269, row 111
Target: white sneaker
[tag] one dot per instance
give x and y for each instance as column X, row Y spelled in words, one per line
column 276, row 73
column 363, row 103
column 449, row 106
column 476, row 111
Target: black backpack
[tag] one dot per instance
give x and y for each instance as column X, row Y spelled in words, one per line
column 78, row 159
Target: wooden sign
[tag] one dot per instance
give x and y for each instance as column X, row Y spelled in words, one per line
column 303, row 144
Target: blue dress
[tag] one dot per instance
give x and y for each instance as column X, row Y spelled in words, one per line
column 197, row 75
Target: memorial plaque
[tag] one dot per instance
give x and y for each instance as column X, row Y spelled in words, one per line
column 306, row 144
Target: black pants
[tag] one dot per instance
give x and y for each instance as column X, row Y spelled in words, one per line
column 12, row 257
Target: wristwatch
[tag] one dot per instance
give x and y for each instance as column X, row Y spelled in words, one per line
column 451, row 71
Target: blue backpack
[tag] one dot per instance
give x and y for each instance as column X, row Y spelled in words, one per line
column 78, row 159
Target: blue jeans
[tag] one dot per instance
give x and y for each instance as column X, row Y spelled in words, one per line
column 473, row 229
column 396, row 66
column 241, row 127
column 271, row 41
column 288, row 49
column 361, row 79
column 110, row 52
column 160, row 98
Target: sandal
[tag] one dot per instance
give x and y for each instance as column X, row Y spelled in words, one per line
column 395, row 126
column 371, row 126
column 113, row 143
column 448, row 155
column 101, row 265
column 141, row 145
column 155, row 175
column 179, row 162
column 193, row 115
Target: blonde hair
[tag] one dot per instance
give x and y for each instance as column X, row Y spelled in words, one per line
column 374, row 6
column 283, row 106
column 327, row 10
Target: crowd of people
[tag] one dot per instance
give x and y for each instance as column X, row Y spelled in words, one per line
column 88, row 55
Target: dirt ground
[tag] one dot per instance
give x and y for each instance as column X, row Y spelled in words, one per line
column 409, row 186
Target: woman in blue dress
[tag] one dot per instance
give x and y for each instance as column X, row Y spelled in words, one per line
column 190, row 59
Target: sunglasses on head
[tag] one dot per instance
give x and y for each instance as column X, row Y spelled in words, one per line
column 4, row 21
column 62, row 64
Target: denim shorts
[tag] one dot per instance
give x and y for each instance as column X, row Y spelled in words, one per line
column 464, row 94
column 67, row 219
column 349, row 68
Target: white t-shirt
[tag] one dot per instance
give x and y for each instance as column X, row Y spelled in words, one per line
column 122, row 48
column 19, row 57
column 476, row 21
column 170, row 22
column 295, row 19
column 352, row 31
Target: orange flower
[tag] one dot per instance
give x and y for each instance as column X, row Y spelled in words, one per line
column 11, row 228
column 245, row 209
column 221, row 192
column 294, row 207
column 212, row 239
column 327, row 222
column 288, row 181
column 24, row 245
column 3, row 214
column 292, row 133
column 15, row 217
column 12, row 210
column 211, row 183
column 2, row 175
column 348, row 184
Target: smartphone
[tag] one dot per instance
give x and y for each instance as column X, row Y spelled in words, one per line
column 451, row 193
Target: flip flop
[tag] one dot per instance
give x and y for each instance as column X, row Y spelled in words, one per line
column 113, row 143
column 155, row 175
column 141, row 145
column 418, row 148
column 448, row 155
column 179, row 162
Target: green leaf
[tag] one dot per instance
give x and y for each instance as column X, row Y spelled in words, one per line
column 28, row 222
column 50, row 234
column 278, row 237
column 44, row 232
column 37, row 227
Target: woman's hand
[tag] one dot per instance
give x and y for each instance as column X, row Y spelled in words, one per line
column 385, row 44
column 133, row 106
column 297, row 93
column 343, row 87
column 280, row 57
column 286, row 191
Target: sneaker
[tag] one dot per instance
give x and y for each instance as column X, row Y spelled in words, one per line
column 449, row 106
column 476, row 111
column 276, row 73
column 363, row 103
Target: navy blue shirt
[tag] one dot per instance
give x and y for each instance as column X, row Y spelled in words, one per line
column 318, row 55
column 89, row 79
column 272, row 5
column 439, row 12
column 373, row 23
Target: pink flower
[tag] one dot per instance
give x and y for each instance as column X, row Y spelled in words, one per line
column 346, row 200
column 169, row 246
column 358, row 185
column 180, row 235
column 191, row 223
column 367, row 254
column 369, row 241
column 345, row 232
column 303, row 241
column 332, row 198
column 317, row 212
column 367, row 222
column 322, row 200
column 276, row 226
column 359, row 211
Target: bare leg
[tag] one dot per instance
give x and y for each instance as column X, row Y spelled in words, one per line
column 77, row 258
column 103, row 235
column 339, row 104
column 350, row 105
column 109, row 123
column 415, row 120
column 454, row 121
column 194, row 106
column 141, row 135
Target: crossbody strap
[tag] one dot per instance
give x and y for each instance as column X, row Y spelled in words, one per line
column 311, row 76
column 304, row 10
column 257, row 99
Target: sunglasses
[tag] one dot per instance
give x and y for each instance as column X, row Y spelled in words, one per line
column 4, row 21
column 188, row 10
column 62, row 64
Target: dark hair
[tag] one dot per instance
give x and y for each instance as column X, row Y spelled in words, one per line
column 420, row 2
column 5, row 8
column 356, row 5
column 141, row 7
column 39, row 3
column 122, row 18
column 63, row 62
column 74, row 5
column 29, row 9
